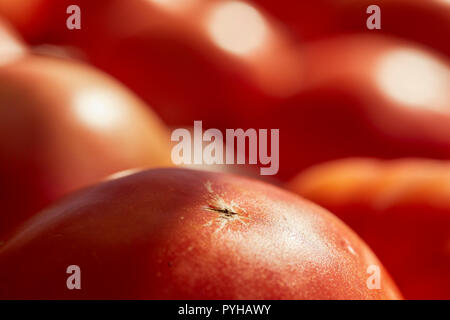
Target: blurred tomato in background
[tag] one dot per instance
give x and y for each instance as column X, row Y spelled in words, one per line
column 331, row 98
column 312, row 69
column 421, row 21
column 363, row 96
column 179, row 56
column 401, row 208
column 424, row 22
column 11, row 45
column 64, row 126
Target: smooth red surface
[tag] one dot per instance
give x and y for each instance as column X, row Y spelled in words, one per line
column 401, row 208
column 338, row 109
column 11, row 45
column 185, row 234
column 421, row 21
column 65, row 126
column 333, row 108
column 168, row 57
column 342, row 109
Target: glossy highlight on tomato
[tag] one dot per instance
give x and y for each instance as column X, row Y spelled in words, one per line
column 187, row 234
column 11, row 44
column 416, row 20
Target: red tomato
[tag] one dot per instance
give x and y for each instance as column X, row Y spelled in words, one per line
column 186, row 234
column 37, row 20
column 401, row 208
column 181, row 58
column 352, row 96
column 185, row 63
column 361, row 96
column 425, row 22
column 422, row 21
column 64, row 126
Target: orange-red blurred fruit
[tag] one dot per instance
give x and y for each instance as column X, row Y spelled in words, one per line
column 11, row 45
column 63, row 126
column 400, row 208
column 186, row 234
column 421, row 21
column 361, row 96
column 177, row 56
column 425, row 22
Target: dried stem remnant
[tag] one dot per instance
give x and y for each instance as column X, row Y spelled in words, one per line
column 228, row 212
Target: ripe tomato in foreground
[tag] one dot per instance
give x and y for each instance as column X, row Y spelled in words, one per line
column 186, row 234
column 401, row 208
column 63, row 126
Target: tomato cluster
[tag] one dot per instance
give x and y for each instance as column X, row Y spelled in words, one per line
column 86, row 183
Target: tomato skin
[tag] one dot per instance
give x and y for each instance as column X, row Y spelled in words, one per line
column 157, row 235
column 64, row 126
column 11, row 45
column 416, row 20
column 400, row 208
